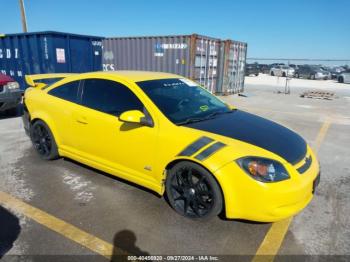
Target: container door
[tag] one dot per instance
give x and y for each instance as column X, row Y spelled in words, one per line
column 206, row 63
column 81, row 58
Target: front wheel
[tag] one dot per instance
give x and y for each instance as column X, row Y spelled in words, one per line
column 193, row 192
column 341, row 79
column 43, row 140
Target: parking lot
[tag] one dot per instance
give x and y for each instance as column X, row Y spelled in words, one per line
column 65, row 208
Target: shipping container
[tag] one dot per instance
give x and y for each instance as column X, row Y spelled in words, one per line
column 48, row 52
column 233, row 55
column 193, row 56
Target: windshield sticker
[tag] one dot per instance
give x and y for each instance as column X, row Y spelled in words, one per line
column 188, row 82
column 204, row 108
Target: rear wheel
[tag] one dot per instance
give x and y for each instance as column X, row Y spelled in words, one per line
column 341, row 79
column 297, row 75
column 193, row 192
column 43, row 140
column 312, row 77
column 272, row 73
column 283, row 74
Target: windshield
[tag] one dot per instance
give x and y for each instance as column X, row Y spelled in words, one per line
column 183, row 101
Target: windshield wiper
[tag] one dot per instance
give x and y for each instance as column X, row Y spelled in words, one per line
column 191, row 120
column 210, row 116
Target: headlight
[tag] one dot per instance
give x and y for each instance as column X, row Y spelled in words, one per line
column 263, row 169
column 12, row 85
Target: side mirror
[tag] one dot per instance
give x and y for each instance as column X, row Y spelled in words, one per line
column 136, row 117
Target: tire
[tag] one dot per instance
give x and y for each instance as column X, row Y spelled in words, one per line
column 256, row 74
column 341, row 79
column 272, row 73
column 43, row 141
column 312, row 77
column 297, row 75
column 283, row 74
column 193, row 192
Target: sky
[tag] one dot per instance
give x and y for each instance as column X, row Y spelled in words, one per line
column 317, row 29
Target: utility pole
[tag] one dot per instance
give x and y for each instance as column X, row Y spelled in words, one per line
column 23, row 16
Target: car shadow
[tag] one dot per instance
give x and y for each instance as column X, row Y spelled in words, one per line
column 112, row 177
column 125, row 242
column 8, row 115
column 222, row 215
column 9, row 230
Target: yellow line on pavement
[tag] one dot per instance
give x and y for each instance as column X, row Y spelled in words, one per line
column 272, row 242
column 69, row 231
column 321, row 135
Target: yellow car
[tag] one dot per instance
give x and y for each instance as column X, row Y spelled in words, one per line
column 170, row 135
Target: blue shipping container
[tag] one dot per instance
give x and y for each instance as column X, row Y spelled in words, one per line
column 48, row 52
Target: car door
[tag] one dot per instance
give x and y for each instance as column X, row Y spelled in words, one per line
column 61, row 102
column 104, row 140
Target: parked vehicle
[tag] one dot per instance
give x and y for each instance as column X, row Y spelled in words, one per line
column 312, row 72
column 293, row 66
column 344, row 77
column 264, row 68
column 252, row 69
column 10, row 94
column 168, row 134
column 336, row 71
column 282, row 70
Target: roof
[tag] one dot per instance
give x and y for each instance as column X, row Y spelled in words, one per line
column 138, row 76
column 52, row 33
column 163, row 36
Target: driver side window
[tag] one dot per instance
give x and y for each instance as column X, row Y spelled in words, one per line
column 109, row 97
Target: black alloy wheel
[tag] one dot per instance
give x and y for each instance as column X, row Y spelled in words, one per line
column 193, row 192
column 43, row 140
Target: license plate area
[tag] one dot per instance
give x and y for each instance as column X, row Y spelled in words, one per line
column 315, row 183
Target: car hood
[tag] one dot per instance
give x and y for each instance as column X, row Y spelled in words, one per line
column 258, row 131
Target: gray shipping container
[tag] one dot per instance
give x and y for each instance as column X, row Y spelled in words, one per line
column 192, row 56
column 231, row 73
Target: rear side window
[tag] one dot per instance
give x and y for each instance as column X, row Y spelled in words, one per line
column 109, row 97
column 67, row 91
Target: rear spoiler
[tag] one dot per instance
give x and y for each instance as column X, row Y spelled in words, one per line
column 30, row 79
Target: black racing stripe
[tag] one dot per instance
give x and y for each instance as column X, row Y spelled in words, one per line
column 210, row 150
column 195, row 146
column 257, row 131
column 306, row 165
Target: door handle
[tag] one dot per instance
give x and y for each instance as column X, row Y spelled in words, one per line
column 82, row 120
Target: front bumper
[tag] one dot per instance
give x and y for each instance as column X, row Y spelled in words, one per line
column 246, row 198
column 10, row 99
